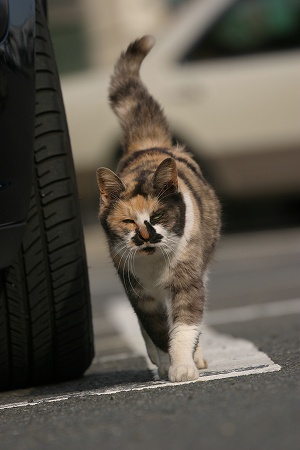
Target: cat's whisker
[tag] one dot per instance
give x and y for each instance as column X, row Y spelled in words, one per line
column 122, row 258
column 116, row 253
column 172, row 251
column 133, row 269
column 119, row 253
column 167, row 255
column 130, row 266
column 163, row 253
column 172, row 238
column 172, row 243
column 169, row 246
column 123, row 271
column 121, row 243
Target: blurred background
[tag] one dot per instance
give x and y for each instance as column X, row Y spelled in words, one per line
column 227, row 73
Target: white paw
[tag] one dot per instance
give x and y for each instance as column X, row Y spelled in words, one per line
column 200, row 362
column 183, row 372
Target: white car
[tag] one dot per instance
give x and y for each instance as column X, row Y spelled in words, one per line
column 227, row 73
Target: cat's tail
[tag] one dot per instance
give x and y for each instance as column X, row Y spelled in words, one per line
column 142, row 119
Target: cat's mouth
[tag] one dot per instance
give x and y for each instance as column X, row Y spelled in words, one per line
column 148, row 250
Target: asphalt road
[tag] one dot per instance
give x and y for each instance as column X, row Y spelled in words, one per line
column 254, row 295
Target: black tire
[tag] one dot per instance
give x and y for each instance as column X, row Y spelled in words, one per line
column 45, row 314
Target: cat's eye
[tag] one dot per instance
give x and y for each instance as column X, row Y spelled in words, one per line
column 128, row 221
column 156, row 216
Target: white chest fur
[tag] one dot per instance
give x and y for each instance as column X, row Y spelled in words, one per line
column 151, row 271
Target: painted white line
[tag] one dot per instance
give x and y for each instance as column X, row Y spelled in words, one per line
column 133, row 387
column 253, row 312
column 226, row 356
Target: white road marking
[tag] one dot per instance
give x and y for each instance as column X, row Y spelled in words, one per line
column 133, row 387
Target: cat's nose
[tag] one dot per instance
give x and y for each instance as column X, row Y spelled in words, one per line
column 146, row 231
column 143, row 233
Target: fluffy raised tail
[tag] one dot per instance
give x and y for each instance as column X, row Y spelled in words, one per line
column 142, row 120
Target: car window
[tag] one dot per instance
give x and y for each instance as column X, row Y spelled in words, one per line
column 249, row 27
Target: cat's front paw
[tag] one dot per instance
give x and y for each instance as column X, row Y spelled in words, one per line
column 183, row 372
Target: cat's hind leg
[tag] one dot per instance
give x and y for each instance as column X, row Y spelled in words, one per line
column 164, row 364
column 152, row 350
column 200, row 362
column 158, row 357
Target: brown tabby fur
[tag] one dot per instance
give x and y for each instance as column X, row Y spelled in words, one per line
column 162, row 221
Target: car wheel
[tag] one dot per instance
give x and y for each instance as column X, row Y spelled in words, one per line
column 45, row 314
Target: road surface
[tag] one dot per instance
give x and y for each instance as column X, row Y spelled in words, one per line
column 248, row 398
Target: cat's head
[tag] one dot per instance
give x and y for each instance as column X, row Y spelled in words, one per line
column 145, row 211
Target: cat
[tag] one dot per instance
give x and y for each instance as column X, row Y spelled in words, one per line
column 162, row 221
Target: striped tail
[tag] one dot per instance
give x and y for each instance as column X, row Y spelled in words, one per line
column 142, row 119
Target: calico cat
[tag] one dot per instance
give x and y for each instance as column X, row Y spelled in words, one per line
column 162, row 222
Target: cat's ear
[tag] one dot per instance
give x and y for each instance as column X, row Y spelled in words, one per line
column 165, row 177
column 110, row 185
